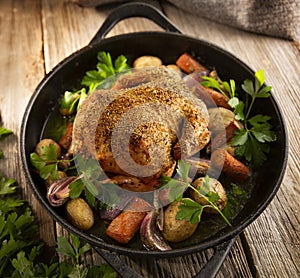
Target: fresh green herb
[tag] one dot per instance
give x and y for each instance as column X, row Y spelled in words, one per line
column 71, row 101
column 189, row 209
column 176, row 187
column 20, row 248
column 250, row 141
column 46, row 163
column 105, row 69
column 17, row 227
column 105, row 75
column 224, row 88
column 4, row 132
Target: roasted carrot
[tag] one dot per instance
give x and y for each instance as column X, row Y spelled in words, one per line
column 188, row 64
column 127, row 223
column 219, row 99
column 231, row 166
column 221, row 139
column 66, row 140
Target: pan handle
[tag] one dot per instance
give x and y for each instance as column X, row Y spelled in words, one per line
column 210, row 270
column 212, row 267
column 117, row 264
column 134, row 9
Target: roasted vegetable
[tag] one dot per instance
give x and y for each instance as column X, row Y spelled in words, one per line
column 219, row 119
column 231, row 166
column 66, row 140
column 150, row 234
column 147, row 61
column 127, row 223
column 188, row 64
column 214, row 186
column 176, row 230
column 80, row 214
column 45, row 143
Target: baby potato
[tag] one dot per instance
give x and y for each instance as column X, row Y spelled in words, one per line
column 47, row 142
column 219, row 119
column 80, row 214
column 216, row 187
column 176, row 230
column 147, row 61
column 175, row 68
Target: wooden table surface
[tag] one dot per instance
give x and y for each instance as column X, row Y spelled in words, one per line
column 36, row 35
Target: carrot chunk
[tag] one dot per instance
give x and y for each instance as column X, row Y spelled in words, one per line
column 127, row 223
column 188, row 64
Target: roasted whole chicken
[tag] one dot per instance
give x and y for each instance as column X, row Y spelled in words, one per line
column 141, row 126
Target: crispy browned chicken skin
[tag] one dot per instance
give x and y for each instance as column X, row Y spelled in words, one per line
column 141, row 126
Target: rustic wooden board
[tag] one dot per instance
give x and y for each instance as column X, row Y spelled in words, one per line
column 21, row 63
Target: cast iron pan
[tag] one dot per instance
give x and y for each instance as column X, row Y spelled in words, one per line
column 167, row 45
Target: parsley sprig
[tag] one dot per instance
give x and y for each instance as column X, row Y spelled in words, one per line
column 105, row 68
column 20, row 249
column 47, row 163
column 189, row 209
column 251, row 140
column 103, row 77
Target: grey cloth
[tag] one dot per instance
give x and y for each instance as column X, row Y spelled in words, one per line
column 280, row 18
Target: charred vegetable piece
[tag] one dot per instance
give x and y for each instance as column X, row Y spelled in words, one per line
column 221, row 139
column 231, row 166
column 66, row 139
column 58, row 191
column 127, row 223
column 60, row 174
column 198, row 166
column 80, row 214
column 151, row 235
column 188, row 64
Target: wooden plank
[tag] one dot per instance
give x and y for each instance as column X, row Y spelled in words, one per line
column 273, row 239
column 22, row 67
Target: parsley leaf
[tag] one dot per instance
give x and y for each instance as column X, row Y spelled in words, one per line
column 105, row 69
column 250, row 141
column 4, row 132
column 176, row 187
column 183, row 170
column 46, row 163
column 102, row 77
column 71, row 101
column 7, row 185
column 189, row 209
